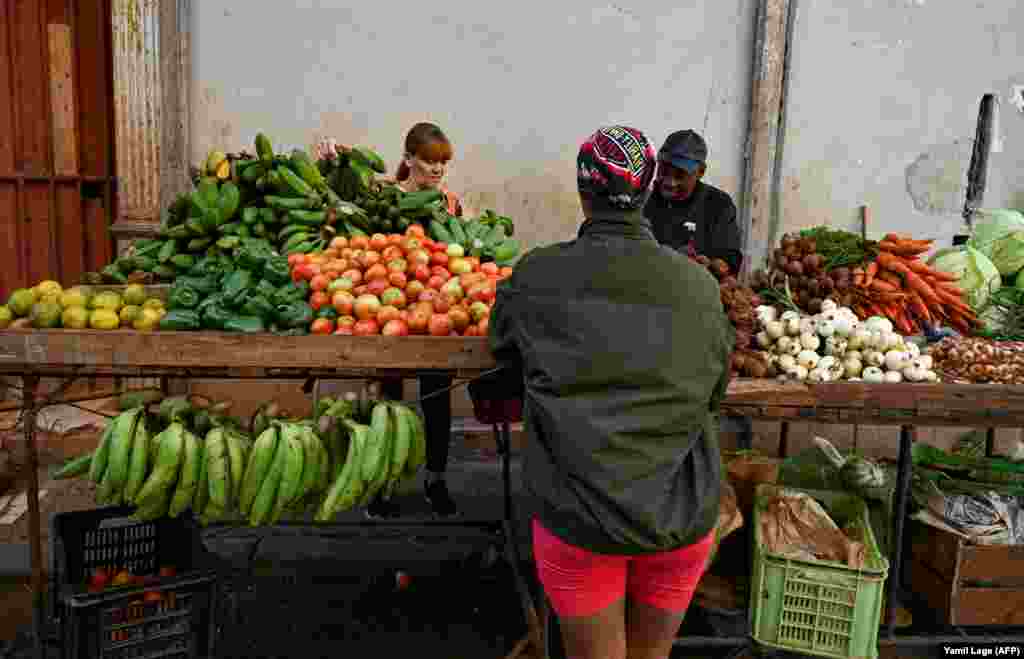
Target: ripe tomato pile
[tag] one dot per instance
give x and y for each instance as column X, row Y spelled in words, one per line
column 397, row 285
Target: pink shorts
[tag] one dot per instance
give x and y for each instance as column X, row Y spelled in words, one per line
column 581, row 583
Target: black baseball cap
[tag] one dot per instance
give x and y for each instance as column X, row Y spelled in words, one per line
column 684, row 149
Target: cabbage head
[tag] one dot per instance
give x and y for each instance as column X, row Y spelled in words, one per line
column 978, row 276
column 1008, row 253
column 990, row 225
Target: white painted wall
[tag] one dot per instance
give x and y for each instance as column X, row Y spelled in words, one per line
column 883, row 106
column 516, row 86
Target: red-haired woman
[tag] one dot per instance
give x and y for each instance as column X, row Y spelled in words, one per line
column 424, row 165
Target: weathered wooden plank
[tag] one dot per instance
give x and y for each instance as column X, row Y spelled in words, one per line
column 126, row 349
column 62, row 100
column 765, row 113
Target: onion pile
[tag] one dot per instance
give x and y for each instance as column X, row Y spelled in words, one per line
column 798, row 260
column 740, row 303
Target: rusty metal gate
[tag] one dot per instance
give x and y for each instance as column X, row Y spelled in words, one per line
column 58, row 186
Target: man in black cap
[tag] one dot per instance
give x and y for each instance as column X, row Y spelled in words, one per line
column 687, row 214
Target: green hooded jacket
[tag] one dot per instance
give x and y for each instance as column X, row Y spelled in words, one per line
column 624, row 349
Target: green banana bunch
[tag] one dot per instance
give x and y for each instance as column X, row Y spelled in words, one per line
column 119, row 462
column 377, row 459
column 221, row 475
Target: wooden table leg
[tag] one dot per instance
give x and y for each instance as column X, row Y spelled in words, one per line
column 29, row 393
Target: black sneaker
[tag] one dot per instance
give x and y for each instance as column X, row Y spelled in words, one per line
column 381, row 508
column 441, row 503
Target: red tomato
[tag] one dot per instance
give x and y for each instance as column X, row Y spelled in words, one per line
column 295, row 258
column 472, row 330
column 347, row 252
column 377, row 286
column 366, row 306
column 359, row 242
column 421, row 273
column 413, row 289
column 99, row 579
column 367, row 327
column 394, row 297
column 319, row 283
column 398, row 265
column 435, row 282
column 345, row 321
column 387, row 313
column 490, row 268
column 345, row 330
column 391, row 253
column 440, row 325
column 368, row 258
column 376, row 271
column 506, row 271
column 416, row 229
column 318, row 300
column 339, row 243
column 395, row 239
column 484, row 325
column 442, row 303
column 418, row 321
column 396, row 327
column 418, row 257
column 359, row 290
column 378, row 241
column 428, row 296
column 439, row 258
column 398, row 279
column 441, row 271
column 322, row 326
column 303, row 271
column 410, row 243
column 355, row 275
column 459, row 318
column 342, row 302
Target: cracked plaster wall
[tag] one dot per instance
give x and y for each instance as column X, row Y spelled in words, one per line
column 516, row 86
column 882, row 111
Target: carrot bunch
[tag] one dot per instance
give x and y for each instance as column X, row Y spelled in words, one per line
column 900, row 286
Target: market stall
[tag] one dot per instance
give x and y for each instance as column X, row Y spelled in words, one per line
column 83, row 353
column 271, row 252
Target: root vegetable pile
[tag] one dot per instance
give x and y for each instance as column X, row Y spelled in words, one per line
column 811, row 278
column 835, row 345
column 980, row 361
column 902, row 287
column 740, row 303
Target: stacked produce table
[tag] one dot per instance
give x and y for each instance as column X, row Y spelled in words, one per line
column 83, row 353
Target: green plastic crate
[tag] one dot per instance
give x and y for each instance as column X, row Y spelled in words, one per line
column 820, row 608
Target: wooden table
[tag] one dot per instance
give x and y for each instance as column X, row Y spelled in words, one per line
column 33, row 354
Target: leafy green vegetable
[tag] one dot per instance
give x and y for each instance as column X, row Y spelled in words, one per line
column 978, row 276
column 840, row 248
column 1007, row 253
column 991, row 225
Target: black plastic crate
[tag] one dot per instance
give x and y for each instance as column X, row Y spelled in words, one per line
column 83, row 541
column 173, row 618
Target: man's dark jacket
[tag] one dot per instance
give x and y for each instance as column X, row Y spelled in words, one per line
column 624, row 349
column 707, row 217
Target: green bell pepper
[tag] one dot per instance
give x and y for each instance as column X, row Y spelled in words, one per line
column 183, row 296
column 235, row 287
column 214, row 316
column 247, row 324
column 277, row 271
column 257, row 305
column 180, row 319
column 294, row 314
column 291, row 292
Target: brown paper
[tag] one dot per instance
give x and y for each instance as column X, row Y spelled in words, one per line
column 798, row 527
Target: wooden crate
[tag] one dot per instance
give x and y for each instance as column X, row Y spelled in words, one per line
column 967, row 584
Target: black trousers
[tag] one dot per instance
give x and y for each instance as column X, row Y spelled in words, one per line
column 437, row 415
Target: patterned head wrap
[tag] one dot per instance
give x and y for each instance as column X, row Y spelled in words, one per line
column 615, row 166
